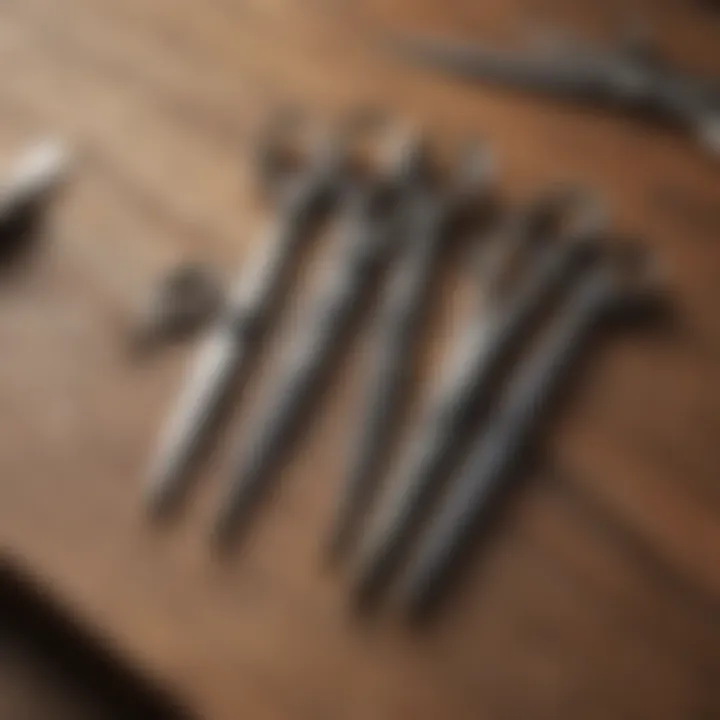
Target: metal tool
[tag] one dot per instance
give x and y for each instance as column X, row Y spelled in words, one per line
column 631, row 78
column 468, row 392
column 428, row 215
column 614, row 286
column 226, row 356
column 31, row 180
column 368, row 233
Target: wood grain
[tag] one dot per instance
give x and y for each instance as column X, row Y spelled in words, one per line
column 598, row 596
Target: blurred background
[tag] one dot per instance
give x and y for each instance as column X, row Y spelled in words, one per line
column 597, row 593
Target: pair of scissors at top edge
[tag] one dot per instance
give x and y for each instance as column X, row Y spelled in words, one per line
column 630, row 77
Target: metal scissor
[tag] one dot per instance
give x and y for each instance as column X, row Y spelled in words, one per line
column 631, row 77
column 227, row 354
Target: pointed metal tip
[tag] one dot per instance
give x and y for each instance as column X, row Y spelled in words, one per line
column 39, row 170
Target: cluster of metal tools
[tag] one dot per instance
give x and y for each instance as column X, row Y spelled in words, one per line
column 551, row 273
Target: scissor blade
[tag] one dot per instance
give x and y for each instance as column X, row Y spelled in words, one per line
column 214, row 373
column 287, row 408
column 558, row 72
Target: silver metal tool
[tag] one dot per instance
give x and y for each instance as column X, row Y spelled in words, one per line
column 428, row 216
column 226, row 355
column 34, row 176
column 368, row 235
column 632, row 78
column 613, row 286
column 467, row 394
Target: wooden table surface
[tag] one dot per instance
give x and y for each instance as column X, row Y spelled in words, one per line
column 599, row 594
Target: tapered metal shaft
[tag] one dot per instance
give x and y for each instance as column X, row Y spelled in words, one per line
column 468, row 393
column 314, row 352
